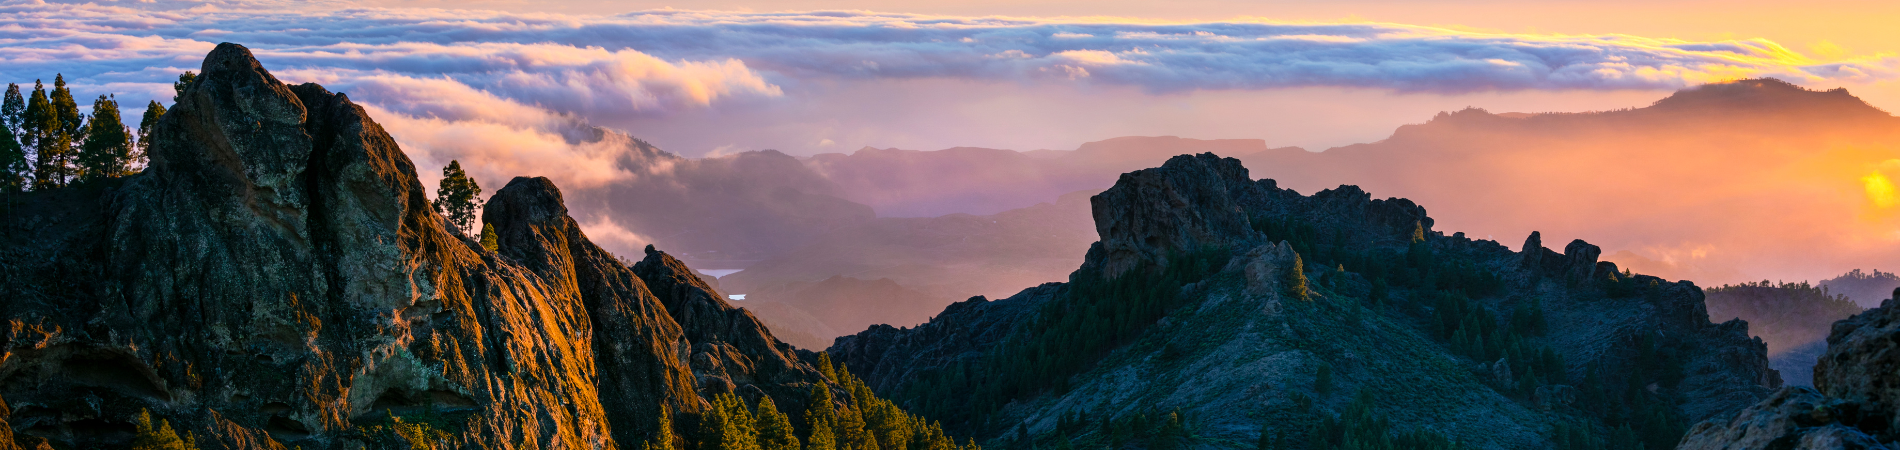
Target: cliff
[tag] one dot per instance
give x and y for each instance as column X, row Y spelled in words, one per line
column 277, row 278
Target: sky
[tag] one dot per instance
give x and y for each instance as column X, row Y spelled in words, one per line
column 507, row 86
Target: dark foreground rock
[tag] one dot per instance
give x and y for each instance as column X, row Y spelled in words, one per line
column 277, row 279
column 1855, row 402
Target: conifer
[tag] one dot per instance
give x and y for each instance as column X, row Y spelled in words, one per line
column 70, row 131
column 663, row 438
column 107, row 151
column 455, row 196
column 184, row 81
column 818, row 418
column 40, row 127
column 825, row 367
column 160, row 436
column 13, row 165
column 1296, row 279
column 13, row 109
column 153, row 111
column 489, row 241
column 775, row 430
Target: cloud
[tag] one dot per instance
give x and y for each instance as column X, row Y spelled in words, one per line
column 650, row 61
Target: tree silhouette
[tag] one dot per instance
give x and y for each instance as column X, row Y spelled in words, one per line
column 455, row 196
column 41, row 127
column 184, row 81
column 153, row 111
column 107, row 151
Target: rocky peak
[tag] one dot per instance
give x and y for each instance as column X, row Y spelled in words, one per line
column 277, row 278
column 236, row 125
column 1190, row 202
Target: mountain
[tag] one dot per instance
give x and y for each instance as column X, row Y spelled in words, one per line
column 817, row 311
column 276, row 278
column 1851, row 405
column 900, row 271
column 1865, row 289
column 955, row 255
column 1218, row 311
column 1694, row 184
column 1792, row 318
column 720, row 213
column 911, row 183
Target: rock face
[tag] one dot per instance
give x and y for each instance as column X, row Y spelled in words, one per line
column 277, row 278
column 1853, row 404
column 1242, row 352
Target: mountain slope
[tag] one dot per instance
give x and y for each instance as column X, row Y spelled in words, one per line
column 278, row 279
column 1242, row 308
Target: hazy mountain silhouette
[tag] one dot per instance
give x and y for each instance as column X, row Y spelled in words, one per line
column 910, row 183
column 1722, row 182
column 1865, row 289
column 1792, row 318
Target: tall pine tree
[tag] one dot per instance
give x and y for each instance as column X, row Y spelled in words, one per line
column 153, row 111
column 39, row 127
column 819, row 417
column 70, row 132
column 13, row 109
column 455, row 196
column 662, row 439
column 107, row 151
column 14, row 168
column 775, row 430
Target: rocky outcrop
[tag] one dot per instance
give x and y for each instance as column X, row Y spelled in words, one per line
column 1794, row 418
column 1241, row 352
column 276, row 278
column 1188, row 204
column 1853, row 404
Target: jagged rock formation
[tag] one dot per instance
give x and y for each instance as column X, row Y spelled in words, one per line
column 1854, row 404
column 277, row 278
column 1794, row 319
column 1245, row 340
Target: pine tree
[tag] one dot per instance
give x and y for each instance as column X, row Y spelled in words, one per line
column 13, row 165
column 153, row 111
column 455, row 196
column 70, row 132
column 729, row 425
column 107, row 151
column 489, row 241
column 825, row 367
column 40, row 127
column 663, row 438
column 160, row 437
column 13, row 110
column 819, row 418
column 775, row 430
column 1296, row 279
column 848, row 426
column 184, row 81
